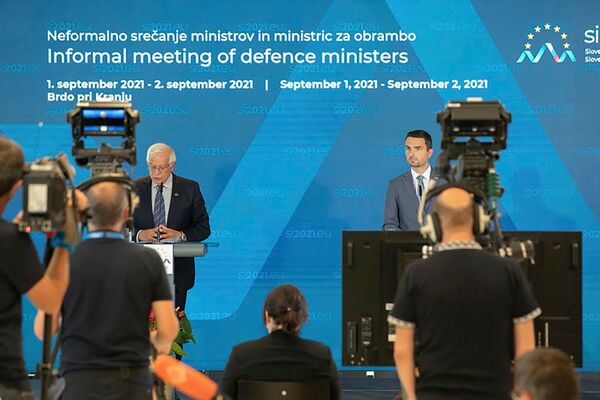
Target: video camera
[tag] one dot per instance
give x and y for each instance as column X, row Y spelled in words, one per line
column 473, row 134
column 46, row 181
column 106, row 119
column 45, row 194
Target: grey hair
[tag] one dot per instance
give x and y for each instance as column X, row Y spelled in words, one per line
column 160, row 148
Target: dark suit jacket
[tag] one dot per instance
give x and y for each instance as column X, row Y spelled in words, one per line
column 187, row 213
column 402, row 204
column 280, row 357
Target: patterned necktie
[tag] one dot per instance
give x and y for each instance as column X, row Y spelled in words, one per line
column 159, row 207
column 421, row 186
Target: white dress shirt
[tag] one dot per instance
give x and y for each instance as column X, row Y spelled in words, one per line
column 426, row 176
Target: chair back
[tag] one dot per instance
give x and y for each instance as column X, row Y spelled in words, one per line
column 262, row 390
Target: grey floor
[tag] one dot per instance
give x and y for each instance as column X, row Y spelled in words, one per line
column 387, row 389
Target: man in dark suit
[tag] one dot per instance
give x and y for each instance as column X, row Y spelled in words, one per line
column 171, row 209
column 404, row 192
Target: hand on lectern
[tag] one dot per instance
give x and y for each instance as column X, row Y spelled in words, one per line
column 168, row 233
column 148, row 235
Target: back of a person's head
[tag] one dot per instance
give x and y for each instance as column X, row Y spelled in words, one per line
column 11, row 164
column 454, row 206
column 546, row 374
column 107, row 203
column 287, row 306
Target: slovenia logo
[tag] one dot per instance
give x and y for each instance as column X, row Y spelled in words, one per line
column 547, row 45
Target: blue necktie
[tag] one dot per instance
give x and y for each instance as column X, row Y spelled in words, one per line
column 159, row 207
column 421, row 186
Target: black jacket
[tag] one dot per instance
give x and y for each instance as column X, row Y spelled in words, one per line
column 280, row 357
column 187, row 213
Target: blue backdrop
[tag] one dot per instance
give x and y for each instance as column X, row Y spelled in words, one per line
column 284, row 172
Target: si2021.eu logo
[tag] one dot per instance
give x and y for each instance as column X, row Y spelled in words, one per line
column 547, row 41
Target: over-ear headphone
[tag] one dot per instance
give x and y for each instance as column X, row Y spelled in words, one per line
column 431, row 226
column 132, row 198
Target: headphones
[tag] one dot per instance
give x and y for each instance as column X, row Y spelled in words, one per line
column 431, row 226
column 132, row 198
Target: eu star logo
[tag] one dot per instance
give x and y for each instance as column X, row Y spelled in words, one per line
column 546, row 33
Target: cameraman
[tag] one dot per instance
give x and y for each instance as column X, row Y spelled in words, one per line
column 470, row 310
column 114, row 286
column 21, row 272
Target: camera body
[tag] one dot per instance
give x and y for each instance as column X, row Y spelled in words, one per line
column 45, row 181
column 45, row 194
column 473, row 134
column 104, row 119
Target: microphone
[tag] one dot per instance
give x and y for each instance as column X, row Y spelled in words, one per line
column 185, row 378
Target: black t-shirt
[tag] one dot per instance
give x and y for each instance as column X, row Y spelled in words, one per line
column 106, row 307
column 20, row 269
column 463, row 304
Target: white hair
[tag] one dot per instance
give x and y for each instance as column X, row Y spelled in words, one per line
column 160, row 148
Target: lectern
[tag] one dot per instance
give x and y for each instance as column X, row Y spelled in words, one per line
column 168, row 251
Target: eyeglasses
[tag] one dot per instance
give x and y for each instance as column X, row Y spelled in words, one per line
column 160, row 168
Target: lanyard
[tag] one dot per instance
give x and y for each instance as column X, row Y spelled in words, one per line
column 105, row 235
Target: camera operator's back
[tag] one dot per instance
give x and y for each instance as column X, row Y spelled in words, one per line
column 106, row 308
column 105, row 315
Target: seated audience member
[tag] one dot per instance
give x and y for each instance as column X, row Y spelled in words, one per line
column 281, row 355
column 545, row 374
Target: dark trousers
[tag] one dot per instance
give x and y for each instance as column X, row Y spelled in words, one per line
column 180, row 298
column 110, row 384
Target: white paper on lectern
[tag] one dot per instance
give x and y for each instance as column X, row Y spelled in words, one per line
column 165, row 251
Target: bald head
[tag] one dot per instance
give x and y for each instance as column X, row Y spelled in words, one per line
column 108, row 202
column 455, row 209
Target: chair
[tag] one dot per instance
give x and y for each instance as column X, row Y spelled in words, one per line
column 262, row 390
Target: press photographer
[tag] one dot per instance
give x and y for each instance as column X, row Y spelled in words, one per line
column 22, row 273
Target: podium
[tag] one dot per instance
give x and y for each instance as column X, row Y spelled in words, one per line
column 169, row 251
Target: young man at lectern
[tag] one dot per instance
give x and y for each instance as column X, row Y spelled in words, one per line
column 171, row 209
column 405, row 191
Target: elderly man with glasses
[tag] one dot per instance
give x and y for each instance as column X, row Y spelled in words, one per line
column 171, row 209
